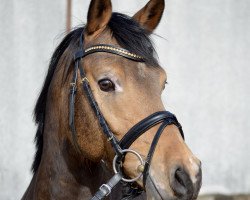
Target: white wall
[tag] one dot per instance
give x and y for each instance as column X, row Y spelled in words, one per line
column 28, row 35
column 206, row 52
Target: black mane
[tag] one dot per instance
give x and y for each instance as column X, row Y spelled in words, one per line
column 131, row 36
column 128, row 34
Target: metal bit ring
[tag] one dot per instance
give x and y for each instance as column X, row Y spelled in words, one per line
column 139, row 158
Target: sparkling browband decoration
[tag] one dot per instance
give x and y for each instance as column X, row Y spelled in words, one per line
column 119, row 50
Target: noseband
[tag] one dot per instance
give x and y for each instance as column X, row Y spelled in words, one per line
column 121, row 148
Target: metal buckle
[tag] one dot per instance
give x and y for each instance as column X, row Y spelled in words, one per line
column 85, row 79
column 106, row 189
column 110, row 138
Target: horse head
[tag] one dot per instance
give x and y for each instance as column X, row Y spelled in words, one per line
column 106, row 82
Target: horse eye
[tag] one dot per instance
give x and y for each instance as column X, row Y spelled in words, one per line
column 106, row 85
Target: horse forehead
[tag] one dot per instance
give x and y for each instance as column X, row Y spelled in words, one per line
column 143, row 71
column 103, row 38
column 103, row 62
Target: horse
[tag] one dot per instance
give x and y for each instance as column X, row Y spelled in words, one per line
column 103, row 131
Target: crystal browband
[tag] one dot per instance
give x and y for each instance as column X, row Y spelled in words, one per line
column 114, row 50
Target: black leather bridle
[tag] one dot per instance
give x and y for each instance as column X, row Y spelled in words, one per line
column 164, row 118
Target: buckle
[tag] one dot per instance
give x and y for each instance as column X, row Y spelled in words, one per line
column 85, row 79
column 72, row 88
column 106, row 189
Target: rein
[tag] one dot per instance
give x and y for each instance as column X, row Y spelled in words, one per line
column 121, row 148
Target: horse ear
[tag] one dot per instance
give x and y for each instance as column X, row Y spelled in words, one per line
column 99, row 14
column 150, row 15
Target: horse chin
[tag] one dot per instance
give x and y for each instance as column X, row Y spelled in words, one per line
column 153, row 193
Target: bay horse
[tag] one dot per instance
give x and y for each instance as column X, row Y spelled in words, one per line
column 100, row 108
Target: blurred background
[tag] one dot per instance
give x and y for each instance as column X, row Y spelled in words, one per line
column 203, row 45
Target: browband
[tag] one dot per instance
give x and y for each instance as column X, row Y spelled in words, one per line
column 113, row 50
column 108, row 49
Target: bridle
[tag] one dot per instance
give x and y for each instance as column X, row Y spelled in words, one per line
column 121, row 148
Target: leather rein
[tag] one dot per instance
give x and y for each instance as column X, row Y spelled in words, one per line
column 121, row 148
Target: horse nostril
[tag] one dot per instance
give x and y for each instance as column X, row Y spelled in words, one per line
column 179, row 177
column 181, row 183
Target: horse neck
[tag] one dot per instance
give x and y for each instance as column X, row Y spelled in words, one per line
column 61, row 174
